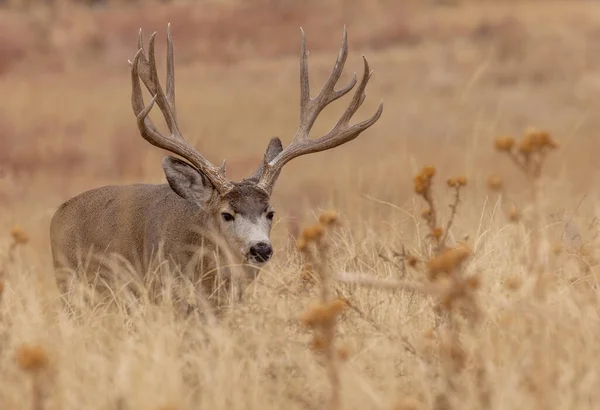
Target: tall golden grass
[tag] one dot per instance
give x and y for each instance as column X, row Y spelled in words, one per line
column 450, row 272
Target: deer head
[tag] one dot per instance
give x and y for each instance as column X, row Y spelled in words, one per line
column 240, row 211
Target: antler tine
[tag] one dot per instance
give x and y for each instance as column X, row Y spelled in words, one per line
column 304, row 81
column 357, row 99
column 328, row 92
column 170, row 73
column 161, row 99
column 144, row 66
column 310, row 108
column 146, row 72
column 145, row 69
column 147, row 128
column 341, row 133
column 145, row 124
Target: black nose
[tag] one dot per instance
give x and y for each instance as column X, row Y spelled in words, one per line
column 262, row 251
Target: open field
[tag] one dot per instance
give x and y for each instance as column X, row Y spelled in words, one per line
column 519, row 317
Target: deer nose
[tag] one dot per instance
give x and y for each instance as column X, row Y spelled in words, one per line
column 262, row 251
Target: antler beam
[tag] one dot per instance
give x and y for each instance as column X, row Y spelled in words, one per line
column 310, row 108
column 144, row 68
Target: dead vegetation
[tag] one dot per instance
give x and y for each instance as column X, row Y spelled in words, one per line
column 470, row 284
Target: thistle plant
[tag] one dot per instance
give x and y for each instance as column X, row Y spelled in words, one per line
column 529, row 154
column 321, row 318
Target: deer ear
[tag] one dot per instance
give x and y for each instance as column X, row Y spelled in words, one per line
column 187, row 181
column 273, row 149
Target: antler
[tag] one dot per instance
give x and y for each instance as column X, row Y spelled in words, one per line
column 144, row 68
column 310, row 108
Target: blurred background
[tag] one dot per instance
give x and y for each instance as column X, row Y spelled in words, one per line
column 453, row 75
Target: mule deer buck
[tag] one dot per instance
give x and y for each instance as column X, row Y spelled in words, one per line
column 199, row 209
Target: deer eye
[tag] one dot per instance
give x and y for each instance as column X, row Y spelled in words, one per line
column 270, row 215
column 227, row 217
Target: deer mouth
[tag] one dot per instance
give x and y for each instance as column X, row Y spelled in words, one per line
column 256, row 263
column 257, row 260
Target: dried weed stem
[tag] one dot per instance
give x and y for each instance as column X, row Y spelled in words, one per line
column 529, row 155
column 33, row 360
column 453, row 292
column 423, row 183
column 19, row 238
column 321, row 318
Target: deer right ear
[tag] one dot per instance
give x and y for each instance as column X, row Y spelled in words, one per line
column 273, row 149
column 187, row 181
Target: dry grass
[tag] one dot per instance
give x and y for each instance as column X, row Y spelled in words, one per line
column 471, row 296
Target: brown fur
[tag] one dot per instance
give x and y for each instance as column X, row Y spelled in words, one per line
column 199, row 208
column 136, row 221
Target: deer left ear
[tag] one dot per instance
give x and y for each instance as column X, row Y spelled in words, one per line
column 187, row 181
column 273, row 149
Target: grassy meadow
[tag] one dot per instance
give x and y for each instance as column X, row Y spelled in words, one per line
column 445, row 259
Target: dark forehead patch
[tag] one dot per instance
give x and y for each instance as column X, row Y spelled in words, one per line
column 247, row 199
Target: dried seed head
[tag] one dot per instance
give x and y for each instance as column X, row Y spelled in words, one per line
column 526, row 146
column 319, row 343
column 313, row 233
column 422, row 181
column 421, row 184
column 437, row 232
column 540, row 139
column 328, row 218
column 336, row 306
column 451, row 182
column 536, row 141
column 19, row 235
column 505, row 144
column 429, row 171
column 301, row 244
column 31, row 358
column 495, row 183
column 323, row 314
column 447, row 261
column 461, row 180
column 514, row 215
column 513, row 282
column 412, row 261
